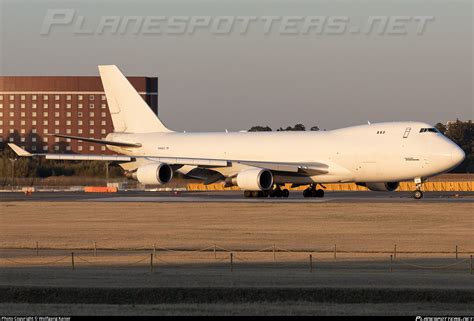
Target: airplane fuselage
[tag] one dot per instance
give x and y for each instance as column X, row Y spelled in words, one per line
column 382, row 152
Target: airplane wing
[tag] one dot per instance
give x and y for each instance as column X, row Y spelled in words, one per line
column 99, row 141
column 305, row 169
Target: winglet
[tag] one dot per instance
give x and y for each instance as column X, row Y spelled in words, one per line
column 19, row 151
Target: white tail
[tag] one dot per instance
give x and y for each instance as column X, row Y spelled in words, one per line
column 130, row 113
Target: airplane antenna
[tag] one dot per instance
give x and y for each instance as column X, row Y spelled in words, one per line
column 226, row 130
column 368, row 122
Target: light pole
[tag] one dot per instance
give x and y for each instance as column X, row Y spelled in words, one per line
column 13, row 160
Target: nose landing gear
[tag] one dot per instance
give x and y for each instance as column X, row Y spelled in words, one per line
column 418, row 194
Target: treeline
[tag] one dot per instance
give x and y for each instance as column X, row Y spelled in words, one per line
column 40, row 167
column 460, row 132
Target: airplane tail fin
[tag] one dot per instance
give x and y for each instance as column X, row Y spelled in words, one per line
column 130, row 113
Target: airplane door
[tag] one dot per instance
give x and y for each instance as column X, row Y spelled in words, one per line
column 407, row 132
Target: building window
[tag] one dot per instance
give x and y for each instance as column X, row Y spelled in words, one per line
column 68, row 122
column 56, row 106
column 12, row 106
column 1, row 106
column 68, row 147
column 33, row 105
column 22, row 106
column 33, row 122
column 91, row 114
column 45, row 147
column 79, row 106
column 91, row 148
column 23, row 123
column 68, row 131
column 103, row 122
column 23, row 131
column 22, row 97
column 68, row 106
column 102, row 97
column 91, row 131
column 33, row 97
column 45, row 131
column 56, row 131
column 103, row 106
column 68, row 97
column 33, row 114
column 103, row 131
column 1, row 122
column 1, row 131
column 1, row 97
column 22, row 114
column 68, row 139
column 45, row 97
column 56, row 139
column 79, row 97
column 79, row 122
column 56, row 97
column 22, row 139
column 12, row 122
column 79, row 114
column 56, row 148
column 103, row 114
column 11, row 139
column 45, row 106
column 33, row 148
column 91, row 122
column 1, row 114
column 102, row 148
column 12, row 114
column 91, row 106
column 91, row 97
column 12, row 97
column 33, row 130
column 68, row 114
column 56, row 122
column 45, row 139
column 79, row 148
column 33, row 139
column 45, row 114
column 56, row 114
column 79, row 131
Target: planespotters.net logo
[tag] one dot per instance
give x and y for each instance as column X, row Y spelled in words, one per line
column 420, row 318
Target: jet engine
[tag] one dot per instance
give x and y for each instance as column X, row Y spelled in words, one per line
column 381, row 187
column 154, row 174
column 255, row 179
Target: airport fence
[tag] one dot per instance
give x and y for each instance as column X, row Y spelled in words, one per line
column 214, row 256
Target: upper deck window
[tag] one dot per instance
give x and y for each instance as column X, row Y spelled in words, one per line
column 425, row 130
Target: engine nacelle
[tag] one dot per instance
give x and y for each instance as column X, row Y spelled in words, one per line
column 381, row 187
column 255, row 179
column 154, row 174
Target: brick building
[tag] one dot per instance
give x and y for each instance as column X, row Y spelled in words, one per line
column 33, row 107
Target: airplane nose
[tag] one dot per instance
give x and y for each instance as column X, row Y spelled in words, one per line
column 457, row 155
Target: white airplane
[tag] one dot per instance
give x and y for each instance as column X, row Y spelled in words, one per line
column 377, row 156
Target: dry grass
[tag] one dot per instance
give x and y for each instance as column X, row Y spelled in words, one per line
column 413, row 227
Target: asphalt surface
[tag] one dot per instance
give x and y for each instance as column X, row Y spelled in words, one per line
column 236, row 196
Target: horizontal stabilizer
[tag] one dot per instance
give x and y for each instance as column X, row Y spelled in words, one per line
column 99, row 141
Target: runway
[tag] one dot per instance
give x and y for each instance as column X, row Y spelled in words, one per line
column 237, row 197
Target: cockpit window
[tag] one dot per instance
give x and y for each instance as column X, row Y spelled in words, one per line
column 426, row 130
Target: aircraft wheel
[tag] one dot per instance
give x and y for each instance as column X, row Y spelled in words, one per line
column 319, row 193
column 417, row 194
column 285, row 193
column 307, row 193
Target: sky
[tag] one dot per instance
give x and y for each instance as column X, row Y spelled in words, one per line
column 211, row 81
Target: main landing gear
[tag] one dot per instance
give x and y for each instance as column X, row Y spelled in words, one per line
column 311, row 191
column 275, row 192
column 418, row 194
